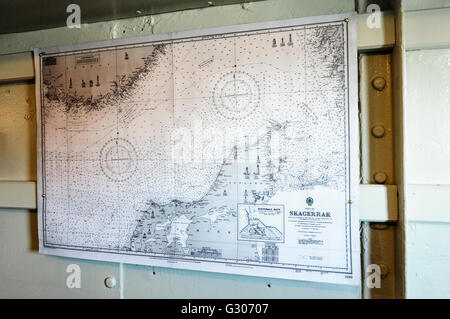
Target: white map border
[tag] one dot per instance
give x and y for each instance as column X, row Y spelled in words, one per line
column 351, row 278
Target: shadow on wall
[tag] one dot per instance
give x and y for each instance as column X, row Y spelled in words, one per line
column 33, row 228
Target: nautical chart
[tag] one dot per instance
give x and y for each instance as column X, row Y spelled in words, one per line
column 225, row 150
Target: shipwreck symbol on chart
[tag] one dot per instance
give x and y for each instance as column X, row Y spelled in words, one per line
column 236, row 95
column 206, row 62
column 118, row 159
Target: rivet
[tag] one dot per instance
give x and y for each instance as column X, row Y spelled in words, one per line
column 380, row 177
column 350, row 201
column 43, row 195
column 110, row 282
column 378, row 131
column 346, row 19
column 379, row 83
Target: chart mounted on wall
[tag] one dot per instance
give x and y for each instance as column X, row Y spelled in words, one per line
column 231, row 150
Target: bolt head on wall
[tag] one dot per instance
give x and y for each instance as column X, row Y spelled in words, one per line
column 380, row 178
column 378, row 131
column 110, row 282
column 379, row 83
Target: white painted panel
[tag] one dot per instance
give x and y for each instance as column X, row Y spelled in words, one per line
column 426, row 29
column 428, row 203
column 17, row 132
column 427, row 117
column 18, row 194
column 370, row 38
column 154, row 282
column 428, row 260
column 427, row 159
column 378, row 203
column 24, row 273
column 16, row 67
column 410, row 5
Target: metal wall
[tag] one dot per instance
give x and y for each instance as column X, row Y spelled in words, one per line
column 413, row 153
column 25, row 273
